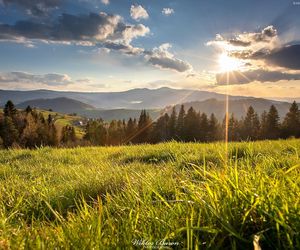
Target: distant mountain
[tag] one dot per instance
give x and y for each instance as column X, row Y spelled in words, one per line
column 60, row 104
column 238, row 107
column 131, row 99
column 122, row 105
column 68, row 106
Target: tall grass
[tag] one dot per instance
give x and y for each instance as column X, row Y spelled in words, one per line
column 172, row 195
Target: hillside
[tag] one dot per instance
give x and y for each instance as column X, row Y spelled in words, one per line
column 60, row 104
column 61, row 120
column 173, row 193
column 238, row 107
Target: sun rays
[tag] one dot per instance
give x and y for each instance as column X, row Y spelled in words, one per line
column 227, row 63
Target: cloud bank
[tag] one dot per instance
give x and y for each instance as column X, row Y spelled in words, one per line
column 52, row 79
column 102, row 30
column 35, row 7
column 82, row 29
column 259, row 75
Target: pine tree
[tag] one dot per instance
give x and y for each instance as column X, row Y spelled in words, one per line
column 9, row 132
column 213, row 128
column 131, row 130
column 263, row 125
column 291, row 123
column 172, row 124
column 191, row 126
column 204, row 128
column 144, row 128
column 180, row 124
column 273, row 125
column 28, row 109
column 160, row 132
column 9, row 109
column 234, row 130
column 251, row 125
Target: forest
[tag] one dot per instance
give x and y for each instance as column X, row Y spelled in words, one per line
column 29, row 128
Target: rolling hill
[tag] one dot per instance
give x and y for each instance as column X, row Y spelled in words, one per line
column 60, row 104
column 237, row 106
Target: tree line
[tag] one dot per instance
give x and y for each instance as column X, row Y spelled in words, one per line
column 29, row 128
column 192, row 126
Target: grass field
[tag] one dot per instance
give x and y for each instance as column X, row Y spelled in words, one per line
column 173, row 195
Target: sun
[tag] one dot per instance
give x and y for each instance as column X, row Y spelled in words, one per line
column 227, row 63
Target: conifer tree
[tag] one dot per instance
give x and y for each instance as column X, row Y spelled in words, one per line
column 9, row 109
column 28, row 109
column 180, row 124
column 273, row 125
column 191, row 126
column 144, row 128
column 131, row 130
column 213, row 128
column 251, row 125
column 234, row 130
column 172, row 124
column 204, row 128
column 9, row 132
column 263, row 125
column 160, row 132
column 291, row 123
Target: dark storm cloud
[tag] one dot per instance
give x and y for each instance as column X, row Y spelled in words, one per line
column 35, row 7
column 287, row 57
column 89, row 28
column 237, row 77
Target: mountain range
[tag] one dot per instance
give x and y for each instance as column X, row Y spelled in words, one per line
column 122, row 105
column 132, row 99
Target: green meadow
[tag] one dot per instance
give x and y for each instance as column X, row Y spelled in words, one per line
column 166, row 196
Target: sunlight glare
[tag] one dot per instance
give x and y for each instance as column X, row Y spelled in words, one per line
column 227, row 63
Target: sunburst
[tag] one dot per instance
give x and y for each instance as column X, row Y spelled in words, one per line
column 227, row 63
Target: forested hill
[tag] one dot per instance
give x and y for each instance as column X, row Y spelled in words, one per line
column 237, row 107
column 60, row 104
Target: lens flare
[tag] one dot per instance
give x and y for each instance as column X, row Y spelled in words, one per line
column 227, row 63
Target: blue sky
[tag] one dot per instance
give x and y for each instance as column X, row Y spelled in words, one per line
column 101, row 45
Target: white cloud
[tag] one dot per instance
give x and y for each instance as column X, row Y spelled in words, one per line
column 137, row 12
column 168, row 11
column 85, row 30
column 106, row 2
column 161, row 57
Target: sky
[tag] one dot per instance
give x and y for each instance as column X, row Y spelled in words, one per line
column 248, row 48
